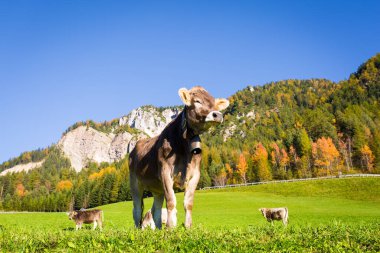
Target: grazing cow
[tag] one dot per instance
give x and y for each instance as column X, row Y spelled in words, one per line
column 272, row 214
column 148, row 219
column 173, row 157
column 87, row 217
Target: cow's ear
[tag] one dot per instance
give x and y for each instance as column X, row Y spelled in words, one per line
column 221, row 104
column 184, row 94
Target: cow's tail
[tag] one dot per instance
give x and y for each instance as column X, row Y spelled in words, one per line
column 286, row 215
column 102, row 215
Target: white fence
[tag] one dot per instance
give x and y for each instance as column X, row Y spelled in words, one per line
column 290, row 180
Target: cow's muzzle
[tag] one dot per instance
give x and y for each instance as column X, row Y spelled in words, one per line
column 214, row 116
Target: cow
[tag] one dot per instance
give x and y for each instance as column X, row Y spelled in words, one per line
column 148, row 219
column 87, row 216
column 173, row 158
column 272, row 214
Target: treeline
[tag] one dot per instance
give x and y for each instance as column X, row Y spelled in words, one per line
column 57, row 187
column 283, row 130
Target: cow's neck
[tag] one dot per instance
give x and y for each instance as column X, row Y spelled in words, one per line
column 190, row 135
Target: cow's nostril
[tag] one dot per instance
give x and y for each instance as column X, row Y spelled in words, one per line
column 215, row 115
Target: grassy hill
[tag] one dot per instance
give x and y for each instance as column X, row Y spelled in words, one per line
column 325, row 215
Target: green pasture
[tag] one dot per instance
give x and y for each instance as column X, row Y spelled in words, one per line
column 335, row 215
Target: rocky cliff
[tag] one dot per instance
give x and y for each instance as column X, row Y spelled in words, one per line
column 85, row 144
column 22, row 167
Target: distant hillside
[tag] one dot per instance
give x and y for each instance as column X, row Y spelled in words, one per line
column 281, row 130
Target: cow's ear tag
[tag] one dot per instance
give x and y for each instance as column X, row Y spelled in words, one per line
column 195, row 145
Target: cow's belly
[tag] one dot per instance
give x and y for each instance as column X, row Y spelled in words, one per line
column 155, row 185
column 88, row 221
column 152, row 184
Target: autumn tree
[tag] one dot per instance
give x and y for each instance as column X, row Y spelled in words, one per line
column 325, row 156
column 367, row 158
column 242, row 168
column 229, row 174
column 64, row 185
column 280, row 161
column 20, row 190
column 261, row 163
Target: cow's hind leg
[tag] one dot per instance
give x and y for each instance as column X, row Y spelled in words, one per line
column 157, row 209
column 137, row 192
column 95, row 224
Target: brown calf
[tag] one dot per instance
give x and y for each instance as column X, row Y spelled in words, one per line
column 272, row 214
column 87, row 217
column 173, row 157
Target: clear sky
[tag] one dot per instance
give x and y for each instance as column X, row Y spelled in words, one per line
column 68, row 61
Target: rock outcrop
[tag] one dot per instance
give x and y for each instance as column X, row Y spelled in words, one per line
column 22, row 167
column 85, row 144
column 149, row 119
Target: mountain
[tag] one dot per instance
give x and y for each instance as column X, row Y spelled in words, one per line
column 280, row 130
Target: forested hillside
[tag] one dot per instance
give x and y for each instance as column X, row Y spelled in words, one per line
column 281, row 130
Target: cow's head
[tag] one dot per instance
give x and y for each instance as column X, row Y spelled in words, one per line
column 202, row 109
column 72, row 215
column 263, row 211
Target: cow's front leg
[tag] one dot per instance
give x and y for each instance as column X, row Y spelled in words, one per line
column 171, row 201
column 189, row 198
column 191, row 185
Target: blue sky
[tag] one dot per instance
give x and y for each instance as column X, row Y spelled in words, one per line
column 68, row 61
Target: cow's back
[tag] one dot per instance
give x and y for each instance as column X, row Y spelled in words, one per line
column 89, row 216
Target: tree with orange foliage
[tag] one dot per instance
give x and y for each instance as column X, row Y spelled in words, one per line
column 261, row 163
column 230, row 174
column 280, row 161
column 325, row 156
column 20, row 190
column 64, row 185
column 242, row 168
column 367, row 158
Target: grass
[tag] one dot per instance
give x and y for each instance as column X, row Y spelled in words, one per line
column 336, row 215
